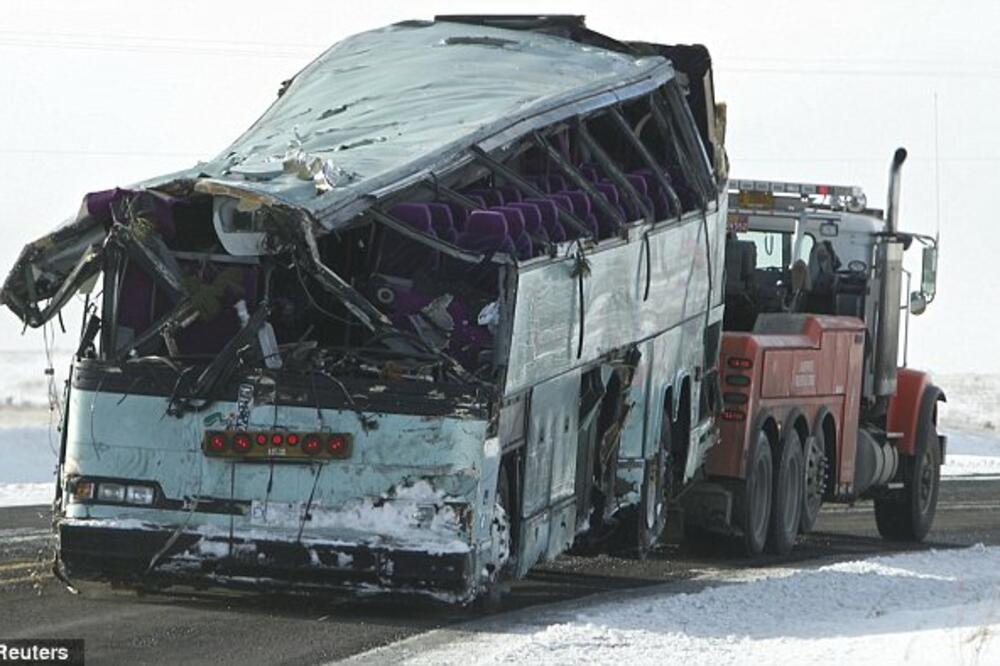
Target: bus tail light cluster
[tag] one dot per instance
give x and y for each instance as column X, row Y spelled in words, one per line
column 270, row 445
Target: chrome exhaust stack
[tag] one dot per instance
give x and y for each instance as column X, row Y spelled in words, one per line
column 889, row 272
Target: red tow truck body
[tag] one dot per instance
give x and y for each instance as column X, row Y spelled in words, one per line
column 792, row 367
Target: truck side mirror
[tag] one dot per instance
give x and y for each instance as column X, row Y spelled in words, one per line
column 928, row 275
column 918, row 303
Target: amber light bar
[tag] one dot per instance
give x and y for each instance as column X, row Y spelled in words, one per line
column 270, row 445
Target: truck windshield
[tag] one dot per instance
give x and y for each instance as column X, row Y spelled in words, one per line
column 776, row 249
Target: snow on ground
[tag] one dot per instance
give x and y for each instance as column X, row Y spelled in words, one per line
column 972, row 454
column 932, row 607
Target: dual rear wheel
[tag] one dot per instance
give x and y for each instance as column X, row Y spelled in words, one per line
column 770, row 510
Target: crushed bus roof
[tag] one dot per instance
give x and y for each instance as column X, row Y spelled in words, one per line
column 383, row 107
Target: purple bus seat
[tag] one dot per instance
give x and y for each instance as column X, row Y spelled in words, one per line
column 550, row 219
column 661, row 200
column 564, row 202
column 614, row 197
column 639, row 184
column 581, row 207
column 518, row 231
column 441, row 220
column 459, row 213
column 486, row 231
column 609, row 226
column 532, row 220
column 136, row 302
column 592, row 171
column 402, row 256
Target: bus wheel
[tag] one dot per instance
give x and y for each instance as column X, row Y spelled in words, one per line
column 755, row 510
column 653, row 505
column 814, row 482
column 907, row 515
column 786, row 503
column 490, row 599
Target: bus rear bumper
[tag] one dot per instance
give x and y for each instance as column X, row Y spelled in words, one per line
column 156, row 558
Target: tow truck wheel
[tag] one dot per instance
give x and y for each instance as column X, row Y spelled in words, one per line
column 907, row 515
column 814, row 481
column 786, row 504
column 755, row 510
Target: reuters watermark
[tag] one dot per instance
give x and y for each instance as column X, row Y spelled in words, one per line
column 65, row 652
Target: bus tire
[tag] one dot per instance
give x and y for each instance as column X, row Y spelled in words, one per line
column 490, row 599
column 650, row 518
column 786, row 502
column 907, row 515
column 755, row 505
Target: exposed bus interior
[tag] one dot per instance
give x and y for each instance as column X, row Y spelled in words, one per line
column 415, row 287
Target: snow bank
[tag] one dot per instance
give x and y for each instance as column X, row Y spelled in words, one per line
column 27, row 494
column 933, row 607
column 28, row 460
column 23, row 381
column 973, row 402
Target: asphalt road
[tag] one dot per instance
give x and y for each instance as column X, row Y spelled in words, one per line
column 240, row 628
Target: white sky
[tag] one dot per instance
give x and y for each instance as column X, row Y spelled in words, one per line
column 99, row 94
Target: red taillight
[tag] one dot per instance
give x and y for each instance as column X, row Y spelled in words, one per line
column 277, row 439
column 292, row 440
column 740, row 363
column 312, row 445
column 241, row 442
column 217, row 442
column 337, row 445
column 733, row 415
column 261, row 439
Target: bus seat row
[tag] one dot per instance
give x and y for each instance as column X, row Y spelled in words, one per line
column 507, row 222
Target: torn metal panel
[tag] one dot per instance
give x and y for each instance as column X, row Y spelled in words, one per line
column 388, row 106
column 53, row 268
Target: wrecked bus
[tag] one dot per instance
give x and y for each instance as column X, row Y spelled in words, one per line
column 450, row 305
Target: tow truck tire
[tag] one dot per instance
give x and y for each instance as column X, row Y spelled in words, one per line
column 786, row 502
column 755, row 505
column 814, row 480
column 907, row 515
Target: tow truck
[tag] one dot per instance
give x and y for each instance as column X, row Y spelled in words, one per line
column 814, row 407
